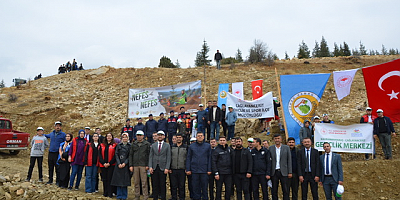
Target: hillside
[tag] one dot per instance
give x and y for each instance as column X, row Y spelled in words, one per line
column 99, row 97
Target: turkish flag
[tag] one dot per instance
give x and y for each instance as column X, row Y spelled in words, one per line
column 256, row 86
column 383, row 88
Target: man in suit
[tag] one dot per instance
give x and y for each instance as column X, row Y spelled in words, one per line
column 159, row 164
column 331, row 172
column 281, row 168
column 308, row 169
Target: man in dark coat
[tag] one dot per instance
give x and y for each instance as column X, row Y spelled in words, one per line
column 198, row 164
column 214, row 120
column 222, row 168
column 150, row 127
column 242, row 169
column 162, row 124
column 172, row 126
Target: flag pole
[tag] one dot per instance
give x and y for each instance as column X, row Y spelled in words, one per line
column 205, row 86
column 280, row 98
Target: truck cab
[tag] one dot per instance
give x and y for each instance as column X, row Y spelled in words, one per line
column 12, row 140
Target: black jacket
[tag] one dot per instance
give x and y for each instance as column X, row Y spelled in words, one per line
column 261, row 161
column 218, row 115
column 222, row 160
column 172, row 125
column 246, row 161
column 314, row 162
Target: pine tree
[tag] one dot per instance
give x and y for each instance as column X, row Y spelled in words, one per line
column 303, row 51
column 392, row 52
column 384, row 50
column 324, row 49
column 286, row 56
column 177, row 64
column 165, row 62
column 377, row 52
column 202, row 56
column 362, row 50
column 371, row 52
column 345, row 51
column 2, row 84
column 336, row 50
column 355, row 52
column 316, row 51
column 238, row 56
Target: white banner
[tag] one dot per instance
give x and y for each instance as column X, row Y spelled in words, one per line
column 342, row 81
column 145, row 101
column 237, row 90
column 356, row 138
column 262, row 107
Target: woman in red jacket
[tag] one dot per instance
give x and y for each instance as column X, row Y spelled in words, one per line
column 107, row 163
column 91, row 160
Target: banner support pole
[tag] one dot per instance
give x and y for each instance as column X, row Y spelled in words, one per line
column 280, row 98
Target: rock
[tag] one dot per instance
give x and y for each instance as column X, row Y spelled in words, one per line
column 81, row 198
column 2, row 179
column 14, row 188
column 25, row 185
column 20, row 192
column 8, row 196
column 18, row 175
column 7, row 178
column 2, row 192
column 40, row 191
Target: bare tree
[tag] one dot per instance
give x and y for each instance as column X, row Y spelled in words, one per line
column 258, row 52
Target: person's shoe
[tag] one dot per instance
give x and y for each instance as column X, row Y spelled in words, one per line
column 69, row 188
column 386, row 157
column 367, row 157
column 374, row 157
column 151, row 196
column 96, row 191
column 40, row 180
column 389, row 158
column 263, row 131
column 76, row 188
column 27, row 180
column 57, row 183
column 49, row 182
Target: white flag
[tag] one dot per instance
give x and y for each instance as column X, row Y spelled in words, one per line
column 342, row 81
column 237, row 90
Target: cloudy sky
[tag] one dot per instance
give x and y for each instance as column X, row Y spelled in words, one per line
column 38, row 36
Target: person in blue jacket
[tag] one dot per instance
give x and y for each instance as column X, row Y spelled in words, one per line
column 198, row 164
column 150, row 127
column 138, row 126
column 56, row 138
column 162, row 124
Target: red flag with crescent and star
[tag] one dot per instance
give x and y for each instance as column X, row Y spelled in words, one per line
column 256, row 86
column 383, row 88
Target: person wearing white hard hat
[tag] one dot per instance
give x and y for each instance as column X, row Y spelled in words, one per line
column 38, row 144
column 369, row 118
column 384, row 130
column 332, row 172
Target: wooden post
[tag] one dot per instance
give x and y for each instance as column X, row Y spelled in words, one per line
column 205, row 87
column 280, row 98
column 127, row 107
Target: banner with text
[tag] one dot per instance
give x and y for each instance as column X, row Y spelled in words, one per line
column 262, row 107
column 145, row 101
column 356, row 138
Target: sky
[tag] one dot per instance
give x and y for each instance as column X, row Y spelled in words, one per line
column 38, row 36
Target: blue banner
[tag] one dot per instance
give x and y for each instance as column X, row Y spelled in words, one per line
column 222, row 93
column 300, row 98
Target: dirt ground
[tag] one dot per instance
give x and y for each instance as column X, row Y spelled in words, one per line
column 97, row 98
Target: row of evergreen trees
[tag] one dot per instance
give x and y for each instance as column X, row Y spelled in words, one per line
column 260, row 53
column 322, row 50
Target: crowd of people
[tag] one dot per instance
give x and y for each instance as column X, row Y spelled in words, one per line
column 69, row 67
column 210, row 166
